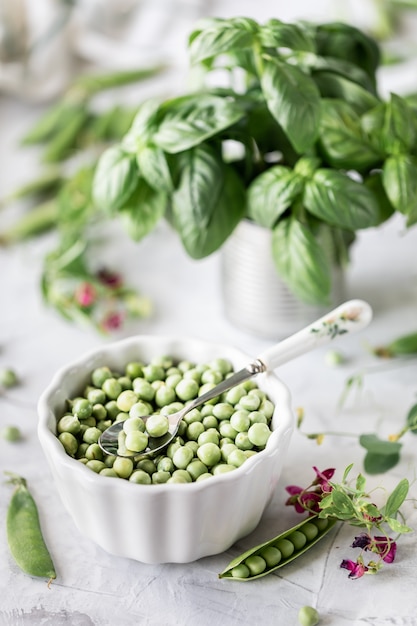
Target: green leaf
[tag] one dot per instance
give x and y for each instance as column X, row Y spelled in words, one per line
column 333, row 86
column 75, row 201
column 374, row 183
column 115, row 179
column 397, row 527
column 411, row 419
column 187, row 121
column 208, row 204
column 341, row 137
column 343, row 41
column 142, row 211
column 360, row 483
column 374, row 444
column 143, row 126
column 342, row 67
column 154, row 168
column 301, row 261
column 338, row 200
column 343, row 503
column 277, row 34
column 220, row 37
column 399, row 177
column 271, row 193
column 399, row 130
column 396, row 498
column 294, row 101
column 375, row 463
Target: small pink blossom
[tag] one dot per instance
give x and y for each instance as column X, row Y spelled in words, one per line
column 385, row 547
column 85, row 294
column 110, row 279
column 112, row 321
column 356, row 568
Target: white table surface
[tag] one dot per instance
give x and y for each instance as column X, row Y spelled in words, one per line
column 95, row 588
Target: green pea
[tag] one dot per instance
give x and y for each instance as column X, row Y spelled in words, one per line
column 95, row 465
column 160, row 477
column 92, row 435
column 99, row 375
column 147, row 465
column 108, row 471
column 187, row 389
column 153, row 372
column 272, row 555
column 182, row 457
column 96, row 396
column 123, row 467
column 10, row 433
column 69, row 424
column 82, row 449
column 157, row 425
column 235, row 394
column 240, row 571
column 134, row 369
column 226, row 429
column 93, row 452
column 204, row 477
column 172, row 380
column 257, row 417
column 259, row 434
column 320, row 522
column 211, row 376
column 112, row 388
column 223, row 411
column 310, row 530
column 196, row 468
column 285, row 547
column 144, row 389
column 243, row 442
column 24, row 533
column 298, row 538
column 126, row 400
column 236, row 457
column 99, row 412
column 209, row 454
column 136, row 441
column 193, row 416
column 112, row 409
column 210, row 421
column 193, row 373
column 222, row 468
column 182, row 474
column 256, row 564
column 195, row 430
column 267, row 408
column 193, row 445
column 8, row 377
column 140, row 409
column 250, row 402
column 82, row 408
column 307, row 616
column 69, row 442
column 125, row 383
column 165, row 465
column 164, row 395
column 240, row 421
column 209, row 436
column 140, row 477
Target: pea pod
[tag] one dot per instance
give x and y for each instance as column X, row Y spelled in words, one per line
column 24, row 533
column 261, row 560
column 39, row 220
column 404, row 345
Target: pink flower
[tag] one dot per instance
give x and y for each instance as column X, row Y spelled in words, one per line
column 110, row 279
column 322, row 478
column 85, row 294
column 356, row 568
column 309, row 499
column 112, row 321
column 384, row 546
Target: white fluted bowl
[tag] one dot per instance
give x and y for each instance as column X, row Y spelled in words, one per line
column 163, row 523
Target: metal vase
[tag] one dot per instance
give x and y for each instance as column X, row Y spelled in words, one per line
column 255, row 298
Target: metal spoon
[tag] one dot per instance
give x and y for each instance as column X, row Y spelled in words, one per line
column 349, row 317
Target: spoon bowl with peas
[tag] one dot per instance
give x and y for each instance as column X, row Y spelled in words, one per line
column 350, row 317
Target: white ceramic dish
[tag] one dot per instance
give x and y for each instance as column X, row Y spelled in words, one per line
column 168, row 522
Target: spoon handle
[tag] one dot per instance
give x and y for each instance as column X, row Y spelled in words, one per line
column 349, row 317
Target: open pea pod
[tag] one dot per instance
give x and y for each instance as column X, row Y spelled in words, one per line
column 249, row 566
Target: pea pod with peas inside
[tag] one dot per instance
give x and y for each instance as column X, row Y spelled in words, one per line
column 24, row 533
column 277, row 552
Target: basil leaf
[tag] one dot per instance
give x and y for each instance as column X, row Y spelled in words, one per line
column 154, row 168
column 294, row 101
column 316, row 63
column 143, row 126
column 343, row 41
column 338, row 200
column 208, row 204
column 220, row 37
column 399, row 177
column 374, row 183
column 399, row 129
column 115, row 178
column 187, row 121
column 142, row 211
column 334, row 86
column 300, row 261
column 411, row 419
column 341, row 138
column 277, row 34
column 271, row 193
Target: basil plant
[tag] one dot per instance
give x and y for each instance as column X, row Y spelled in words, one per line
column 319, row 154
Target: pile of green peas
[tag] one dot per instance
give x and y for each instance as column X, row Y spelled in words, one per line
column 215, row 438
column 277, row 552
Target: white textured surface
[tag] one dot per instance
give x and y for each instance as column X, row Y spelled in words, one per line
column 96, row 589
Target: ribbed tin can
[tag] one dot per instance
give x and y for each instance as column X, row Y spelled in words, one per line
column 255, row 298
